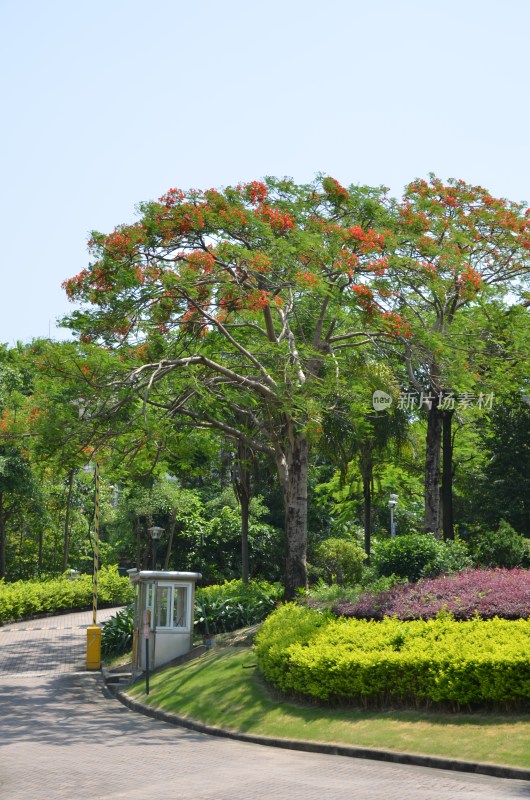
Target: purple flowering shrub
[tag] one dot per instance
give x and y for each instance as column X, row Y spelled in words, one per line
column 488, row 593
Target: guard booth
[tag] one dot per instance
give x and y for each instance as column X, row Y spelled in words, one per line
column 163, row 616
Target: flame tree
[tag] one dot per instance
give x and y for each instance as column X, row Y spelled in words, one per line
column 242, row 310
column 461, row 259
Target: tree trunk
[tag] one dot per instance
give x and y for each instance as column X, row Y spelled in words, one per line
column 367, row 468
column 39, row 556
column 242, row 489
column 2, row 538
column 295, row 494
column 447, row 476
column 66, row 541
column 138, row 532
column 245, row 567
column 432, row 470
column 172, row 527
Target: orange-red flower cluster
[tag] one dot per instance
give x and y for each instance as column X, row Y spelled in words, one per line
column 470, row 282
column 73, row 285
column 259, row 262
column 281, row 223
column 257, row 192
column 308, row 279
column 365, row 297
column 334, row 189
column 171, row 197
column 257, row 300
column 395, row 324
column 200, row 260
column 369, row 240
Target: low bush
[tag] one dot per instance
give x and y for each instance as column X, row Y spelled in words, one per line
column 340, row 560
column 24, row 599
column 416, row 556
column 437, row 661
column 117, row 633
column 484, row 593
column 231, row 605
column 501, row 548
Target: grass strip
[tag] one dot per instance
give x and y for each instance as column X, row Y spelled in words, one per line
column 222, row 688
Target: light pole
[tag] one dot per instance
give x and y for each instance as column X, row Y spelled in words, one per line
column 392, row 504
column 155, row 533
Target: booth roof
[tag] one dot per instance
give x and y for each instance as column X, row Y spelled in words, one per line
column 148, row 576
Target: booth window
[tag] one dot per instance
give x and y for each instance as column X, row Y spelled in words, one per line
column 163, row 604
column 180, row 605
column 171, row 609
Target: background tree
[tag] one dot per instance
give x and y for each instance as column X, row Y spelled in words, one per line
column 457, row 248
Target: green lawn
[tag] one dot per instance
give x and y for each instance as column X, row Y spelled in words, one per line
column 222, row 688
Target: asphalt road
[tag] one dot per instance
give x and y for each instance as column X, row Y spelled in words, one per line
column 63, row 737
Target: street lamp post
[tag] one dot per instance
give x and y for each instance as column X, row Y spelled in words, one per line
column 155, row 533
column 392, row 504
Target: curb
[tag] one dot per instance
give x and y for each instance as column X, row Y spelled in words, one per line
column 395, row 757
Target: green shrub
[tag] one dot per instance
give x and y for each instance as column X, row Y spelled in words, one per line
column 322, row 594
column 501, row 548
column 288, row 625
column 416, row 556
column 117, row 633
column 24, row 599
column 341, row 560
column 440, row 660
column 233, row 604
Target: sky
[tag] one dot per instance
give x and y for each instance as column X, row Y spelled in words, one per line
column 109, row 103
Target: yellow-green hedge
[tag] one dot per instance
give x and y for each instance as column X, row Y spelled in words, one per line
column 481, row 661
column 24, row 599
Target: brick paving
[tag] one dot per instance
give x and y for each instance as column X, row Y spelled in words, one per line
column 63, row 737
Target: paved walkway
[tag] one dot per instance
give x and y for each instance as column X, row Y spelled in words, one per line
column 63, row 737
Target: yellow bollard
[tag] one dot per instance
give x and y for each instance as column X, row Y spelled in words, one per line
column 135, row 648
column 93, row 647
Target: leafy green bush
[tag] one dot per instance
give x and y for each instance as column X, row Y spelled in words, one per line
column 443, row 661
column 290, row 624
column 341, row 560
column 416, row 556
column 24, row 599
column 117, row 633
column 501, row 548
column 321, row 594
column 233, row 604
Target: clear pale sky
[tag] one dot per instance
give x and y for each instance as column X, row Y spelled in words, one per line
column 109, row 102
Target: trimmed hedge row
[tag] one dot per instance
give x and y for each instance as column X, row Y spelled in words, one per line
column 24, row 599
column 438, row 661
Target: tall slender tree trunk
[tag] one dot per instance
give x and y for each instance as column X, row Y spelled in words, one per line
column 138, row 532
column 172, row 526
column 295, row 473
column 66, row 540
column 39, row 556
column 432, row 471
column 245, row 510
column 367, row 469
column 447, row 475
column 2, row 537
column 242, row 488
